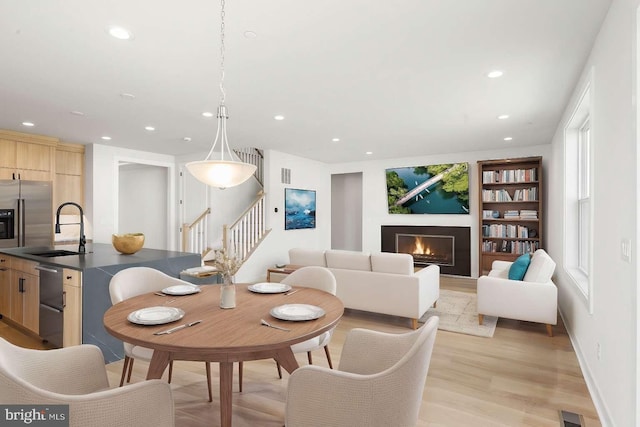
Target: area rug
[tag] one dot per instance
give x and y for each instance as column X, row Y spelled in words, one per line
column 458, row 313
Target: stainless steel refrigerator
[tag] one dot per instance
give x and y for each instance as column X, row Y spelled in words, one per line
column 26, row 216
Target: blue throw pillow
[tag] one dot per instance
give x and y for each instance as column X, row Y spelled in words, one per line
column 519, row 267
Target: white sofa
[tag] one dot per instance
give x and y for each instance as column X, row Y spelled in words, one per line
column 379, row 282
column 533, row 299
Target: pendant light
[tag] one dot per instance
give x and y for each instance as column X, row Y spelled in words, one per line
column 228, row 170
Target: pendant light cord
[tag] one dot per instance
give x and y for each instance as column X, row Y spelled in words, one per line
column 223, row 94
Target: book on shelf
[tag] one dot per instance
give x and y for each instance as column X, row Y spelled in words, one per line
column 509, row 176
column 528, row 214
column 489, row 214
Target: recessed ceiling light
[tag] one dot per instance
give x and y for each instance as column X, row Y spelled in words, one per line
column 503, row 116
column 207, row 114
column 495, row 74
column 149, row 128
column 186, row 139
column 336, row 140
column 128, row 96
column 106, row 138
column 250, row 34
column 28, row 124
column 279, row 117
column 508, row 138
column 77, row 113
column 120, row 33
column 368, row 153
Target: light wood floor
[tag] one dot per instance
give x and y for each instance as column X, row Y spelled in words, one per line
column 520, row 377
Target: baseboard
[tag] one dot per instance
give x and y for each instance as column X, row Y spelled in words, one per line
column 594, row 391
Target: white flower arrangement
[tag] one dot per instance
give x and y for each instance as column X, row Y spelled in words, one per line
column 226, row 263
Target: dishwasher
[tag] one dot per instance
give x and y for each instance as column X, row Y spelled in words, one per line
column 51, row 304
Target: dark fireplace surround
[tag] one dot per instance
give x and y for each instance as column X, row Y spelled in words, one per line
column 448, row 247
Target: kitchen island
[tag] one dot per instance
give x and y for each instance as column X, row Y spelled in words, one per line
column 92, row 273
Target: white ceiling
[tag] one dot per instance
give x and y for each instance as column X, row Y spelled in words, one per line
column 396, row 78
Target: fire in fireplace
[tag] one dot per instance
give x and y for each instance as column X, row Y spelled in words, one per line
column 427, row 249
column 447, row 246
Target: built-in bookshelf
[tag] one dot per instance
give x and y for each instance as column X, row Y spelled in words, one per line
column 510, row 209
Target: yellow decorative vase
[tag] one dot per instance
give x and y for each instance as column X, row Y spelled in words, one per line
column 128, row 244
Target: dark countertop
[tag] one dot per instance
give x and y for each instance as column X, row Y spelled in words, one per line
column 98, row 255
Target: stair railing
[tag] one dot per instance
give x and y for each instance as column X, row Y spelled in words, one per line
column 244, row 235
column 194, row 235
column 253, row 156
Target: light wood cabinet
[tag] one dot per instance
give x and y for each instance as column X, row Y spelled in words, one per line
column 72, row 294
column 69, row 177
column 25, row 156
column 511, row 210
column 5, row 285
column 25, row 294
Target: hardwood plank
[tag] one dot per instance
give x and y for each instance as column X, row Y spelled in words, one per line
column 520, row 377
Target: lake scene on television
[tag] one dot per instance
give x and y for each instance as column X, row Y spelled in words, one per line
column 432, row 189
column 300, row 209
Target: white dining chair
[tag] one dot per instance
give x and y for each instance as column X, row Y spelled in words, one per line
column 134, row 281
column 318, row 278
column 379, row 383
column 308, row 277
column 76, row 376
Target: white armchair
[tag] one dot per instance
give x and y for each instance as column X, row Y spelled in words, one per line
column 379, row 382
column 534, row 299
column 76, row 376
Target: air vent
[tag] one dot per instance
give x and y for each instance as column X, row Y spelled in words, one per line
column 571, row 419
column 285, row 176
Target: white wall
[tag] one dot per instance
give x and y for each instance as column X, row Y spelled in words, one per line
column 305, row 174
column 375, row 209
column 142, row 203
column 613, row 378
column 102, row 188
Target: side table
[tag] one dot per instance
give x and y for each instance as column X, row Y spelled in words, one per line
column 275, row 274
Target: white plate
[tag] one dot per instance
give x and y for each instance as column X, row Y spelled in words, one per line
column 297, row 312
column 181, row 290
column 269, row 288
column 156, row 315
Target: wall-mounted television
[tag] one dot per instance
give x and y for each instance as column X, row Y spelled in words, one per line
column 431, row 189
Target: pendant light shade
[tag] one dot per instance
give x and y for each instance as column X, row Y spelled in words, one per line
column 219, row 173
column 227, row 170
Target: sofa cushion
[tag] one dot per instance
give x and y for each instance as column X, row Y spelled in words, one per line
column 386, row 262
column 303, row 256
column 350, row 260
column 519, row 267
column 541, row 267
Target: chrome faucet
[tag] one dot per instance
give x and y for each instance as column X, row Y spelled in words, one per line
column 83, row 239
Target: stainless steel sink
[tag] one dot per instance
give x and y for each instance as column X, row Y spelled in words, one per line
column 53, row 253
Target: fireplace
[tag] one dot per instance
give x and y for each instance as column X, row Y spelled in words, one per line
column 448, row 247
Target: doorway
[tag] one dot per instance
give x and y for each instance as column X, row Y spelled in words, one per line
column 143, row 201
column 346, row 211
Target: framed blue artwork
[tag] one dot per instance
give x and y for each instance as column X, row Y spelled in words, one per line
column 299, row 209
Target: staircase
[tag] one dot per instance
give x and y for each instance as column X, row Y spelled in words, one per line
column 244, row 235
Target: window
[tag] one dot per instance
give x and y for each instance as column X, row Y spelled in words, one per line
column 577, row 187
column 584, row 237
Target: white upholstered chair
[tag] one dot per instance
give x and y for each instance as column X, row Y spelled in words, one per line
column 318, row 278
column 76, row 376
column 533, row 299
column 134, row 281
column 309, row 277
column 379, row 382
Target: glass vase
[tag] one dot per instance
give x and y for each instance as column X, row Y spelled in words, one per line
column 227, row 292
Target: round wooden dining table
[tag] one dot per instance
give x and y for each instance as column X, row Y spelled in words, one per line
column 223, row 335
